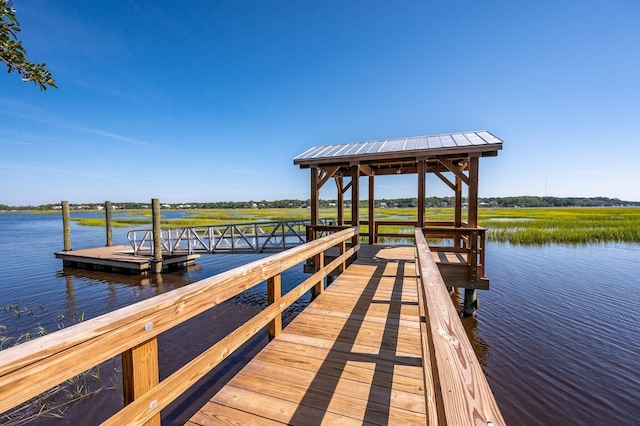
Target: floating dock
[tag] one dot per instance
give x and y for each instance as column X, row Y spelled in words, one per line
column 120, row 259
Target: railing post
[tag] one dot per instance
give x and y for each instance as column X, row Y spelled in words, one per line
column 140, row 373
column 481, row 249
column 318, row 288
column 108, row 224
column 157, row 236
column 284, row 237
column 255, row 232
column 233, row 244
column 473, row 257
column 273, row 296
column 471, row 303
column 66, row 225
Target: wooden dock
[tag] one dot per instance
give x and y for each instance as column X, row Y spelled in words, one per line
column 119, row 259
column 353, row 356
column 383, row 344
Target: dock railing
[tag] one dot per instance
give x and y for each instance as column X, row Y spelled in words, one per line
column 314, row 232
column 456, row 389
column 445, row 236
column 36, row 366
column 245, row 237
column 468, row 242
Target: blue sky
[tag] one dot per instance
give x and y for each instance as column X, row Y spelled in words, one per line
column 210, row 101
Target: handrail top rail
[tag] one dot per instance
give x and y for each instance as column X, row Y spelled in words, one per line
column 453, row 228
column 465, row 395
column 137, row 314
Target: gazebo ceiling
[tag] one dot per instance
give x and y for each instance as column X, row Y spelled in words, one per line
column 402, row 155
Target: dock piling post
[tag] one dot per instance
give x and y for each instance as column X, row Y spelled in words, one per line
column 471, row 302
column 107, row 215
column 157, row 236
column 66, row 225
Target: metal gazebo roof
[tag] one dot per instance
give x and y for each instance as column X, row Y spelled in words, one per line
column 481, row 143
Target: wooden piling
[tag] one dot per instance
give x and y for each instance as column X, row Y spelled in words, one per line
column 107, row 215
column 471, row 302
column 157, row 236
column 66, row 225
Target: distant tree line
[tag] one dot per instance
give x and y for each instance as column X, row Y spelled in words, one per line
column 521, row 201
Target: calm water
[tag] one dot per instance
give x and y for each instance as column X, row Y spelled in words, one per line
column 558, row 334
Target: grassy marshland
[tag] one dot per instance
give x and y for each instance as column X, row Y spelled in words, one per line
column 564, row 225
column 514, row 225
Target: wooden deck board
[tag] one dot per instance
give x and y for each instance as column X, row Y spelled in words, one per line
column 354, row 356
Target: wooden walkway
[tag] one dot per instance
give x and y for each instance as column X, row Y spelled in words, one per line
column 352, row 357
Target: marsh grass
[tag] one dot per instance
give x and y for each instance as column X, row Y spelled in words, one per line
column 569, row 225
column 563, row 225
column 53, row 403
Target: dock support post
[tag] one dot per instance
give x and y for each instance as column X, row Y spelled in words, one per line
column 66, row 225
column 471, row 302
column 107, row 216
column 157, row 236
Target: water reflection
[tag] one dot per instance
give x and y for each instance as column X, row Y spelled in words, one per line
column 70, row 305
column 472, row 327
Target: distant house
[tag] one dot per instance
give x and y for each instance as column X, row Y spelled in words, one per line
column 383, row 205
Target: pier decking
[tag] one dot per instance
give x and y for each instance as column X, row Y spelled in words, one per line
column 353, row 356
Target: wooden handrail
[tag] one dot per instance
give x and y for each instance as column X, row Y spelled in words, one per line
column 462, row 394
column 38, row 365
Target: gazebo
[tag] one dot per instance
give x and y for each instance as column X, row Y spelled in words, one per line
column 453, row 158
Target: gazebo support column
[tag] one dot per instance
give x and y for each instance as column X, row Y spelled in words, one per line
column 315, row 194
column 458, row 209
column 355, row 196
column 471, row 302
column 373, row 238
column 340, row 203
column 422, row 166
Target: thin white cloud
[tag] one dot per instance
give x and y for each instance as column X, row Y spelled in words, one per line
column 38, row 118
column 14, row 142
